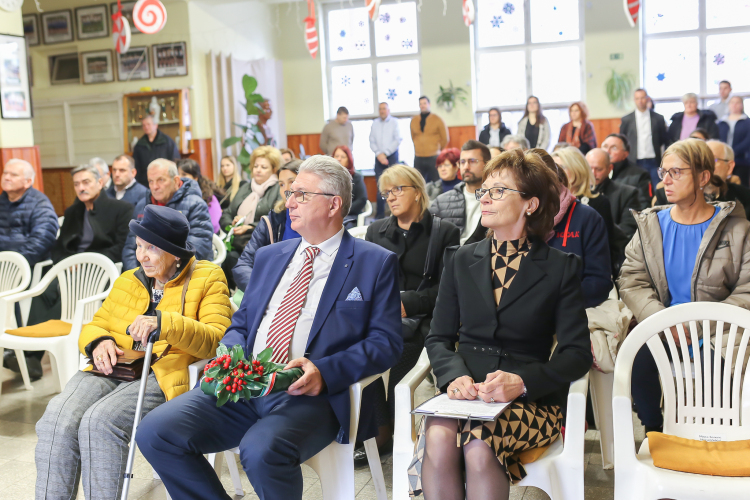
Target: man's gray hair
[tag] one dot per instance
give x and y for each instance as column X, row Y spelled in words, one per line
column 87, row 167
column 728, row 151
column 518, row 139
column 101, row 165
column 687, row 97
column 161, row 162
column 127, row 158
column 28, row 169
column 334, row 179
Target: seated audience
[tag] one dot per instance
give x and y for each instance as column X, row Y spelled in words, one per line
column 515, row 142
column 622, row 198
column 580, row 180
column 534, row 125
column 253, row 201
column 734, row 129
column 183, row 195
column 85, row 431
column 685, row 122
column 496, row 152
column 230, row 180
column 700, row 133
column 696, row 252
column 350, row 288
column 625, row 172
column 509, row 294
column 579, row 131
column 580, row 230
column 343, row 155
column 210, row 192
column 275, row 227
column 493, row 133
column 460, row 206
column 408, row 234
column 104, row 174
column 447, row 167
column 287, row 155
column 124, row 186
column 560, row 145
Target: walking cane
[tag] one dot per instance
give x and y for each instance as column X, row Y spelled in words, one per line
column 138, row 407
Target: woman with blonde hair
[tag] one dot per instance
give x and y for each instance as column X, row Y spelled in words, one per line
column 230, row 180
column 412, row 233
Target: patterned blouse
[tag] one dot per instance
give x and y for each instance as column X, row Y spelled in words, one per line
column 506, row 260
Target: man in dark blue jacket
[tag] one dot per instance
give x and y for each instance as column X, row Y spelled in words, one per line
column 329, row 304
column 183, row 195
column 124, row 186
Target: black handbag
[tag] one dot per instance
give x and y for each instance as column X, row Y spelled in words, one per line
column 410, row 326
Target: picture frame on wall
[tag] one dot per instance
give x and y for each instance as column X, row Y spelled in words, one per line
column 97, row 67
column 133, row 65
column 31, row 29
column 127, row 13
column 170, row 59
column 92, row 22
column 57, row 27
column 64, row 69
column 15, row 93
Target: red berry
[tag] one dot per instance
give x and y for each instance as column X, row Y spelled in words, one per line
column 209, row 379
column 226, row 380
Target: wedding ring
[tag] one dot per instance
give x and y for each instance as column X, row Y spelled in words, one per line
column 492, row 400
column 455, row 391
column 99, row 357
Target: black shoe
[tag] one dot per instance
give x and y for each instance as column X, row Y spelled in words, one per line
column 360, row 455
column 654, row 429
column 34, row 365
column 10, row 362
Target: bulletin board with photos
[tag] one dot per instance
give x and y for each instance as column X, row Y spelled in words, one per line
column 171, row 111
column 15, row 95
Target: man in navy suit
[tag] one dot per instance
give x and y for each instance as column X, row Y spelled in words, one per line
column 347, row 327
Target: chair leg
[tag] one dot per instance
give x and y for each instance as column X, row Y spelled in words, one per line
column 234, row 472
column 24, row 370
column 376, row 469
column 601, row 398
column 65, row 363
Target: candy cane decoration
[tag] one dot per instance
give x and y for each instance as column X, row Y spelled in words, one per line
column 120, row 31
column 468, row 11
column 311, row 34
column 631, row 10
column 149, row 16
column 373, row 6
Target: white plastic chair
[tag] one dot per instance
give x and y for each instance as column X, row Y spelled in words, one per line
column 364, row 215
column 15, row 273
column 82, row 279
column 358, row 232
column 689, row 408
column 558, row 472
column 601, row 401
column 219, row 250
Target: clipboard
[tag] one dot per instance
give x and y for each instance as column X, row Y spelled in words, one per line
column 442, row 406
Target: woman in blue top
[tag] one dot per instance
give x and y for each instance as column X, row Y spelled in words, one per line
column 280, row 228
column 690, row 251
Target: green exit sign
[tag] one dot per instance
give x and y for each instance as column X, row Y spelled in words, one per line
column 614, row 57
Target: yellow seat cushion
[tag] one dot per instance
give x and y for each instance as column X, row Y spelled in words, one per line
column 719, row 458
column 532, row 455
column 51, row 328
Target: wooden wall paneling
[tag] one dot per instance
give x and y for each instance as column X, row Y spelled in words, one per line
column 605, row 126
column 59, row 188
column 372, row 189
column 311, row 142
column 203, row 154
column 31, row 155
column 459, row 135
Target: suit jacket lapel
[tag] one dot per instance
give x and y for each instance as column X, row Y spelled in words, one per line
column 342, row 264
column 528, row 275
column 481, row 272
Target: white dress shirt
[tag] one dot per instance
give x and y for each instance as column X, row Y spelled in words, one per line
column 385, row 136
column 321, row 269
column 473, row 214
column 645, row 140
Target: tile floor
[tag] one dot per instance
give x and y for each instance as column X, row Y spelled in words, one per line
column 20, row 409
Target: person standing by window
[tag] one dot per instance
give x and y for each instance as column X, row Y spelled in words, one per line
column 493, row 133
column 430, row 136
column 579, row 131
column 385, row 137
column 534, row 126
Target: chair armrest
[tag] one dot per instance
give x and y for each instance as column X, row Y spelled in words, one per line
column 118, row 265
column 404, row 432
column 38, row 268
column 194, row 371
column 355, row 400
column 80, row 308
column 575, row 423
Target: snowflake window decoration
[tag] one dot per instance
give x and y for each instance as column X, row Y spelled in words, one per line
column 509, row 8
column 661, row 77
column 403, row 20
column 387, row 37
column 384, row 18
column 345, row 81
column 407, row 44
column 360, row 45
column 342, row 34
column 391, row 94
column 719, row 59
column 340, row 49
column 497, row 21
column 361, row 24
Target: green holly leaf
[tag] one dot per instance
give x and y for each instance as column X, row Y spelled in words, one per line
column 222, row 349
column 212, row 372
column 222, row 398
column 230, row 141
column 238, row 354
column 265, row 355
column 254, row 386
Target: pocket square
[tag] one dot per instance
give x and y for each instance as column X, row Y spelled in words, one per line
column 354, row 295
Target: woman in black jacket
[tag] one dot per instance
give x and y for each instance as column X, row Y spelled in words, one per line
column 408, row 233
column 494, row 132
column 503, row 300
column 685, row 122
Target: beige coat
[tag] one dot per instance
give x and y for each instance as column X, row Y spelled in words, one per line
column 722, row 270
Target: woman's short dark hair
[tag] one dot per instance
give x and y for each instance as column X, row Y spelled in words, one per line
column 534, row 178
column 208, row 188
column 472, row 144
column 292, row 166
column 702, row 131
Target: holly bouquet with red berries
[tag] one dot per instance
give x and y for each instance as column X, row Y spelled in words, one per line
column 231, row 377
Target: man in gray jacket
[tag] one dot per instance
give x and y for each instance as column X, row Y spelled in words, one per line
column 459, row 206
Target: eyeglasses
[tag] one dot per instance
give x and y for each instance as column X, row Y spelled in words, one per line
column 717, row 160
column 496, row 193
column 674, row 173
column 470, row 161
column 396, row 190
column 299, row 196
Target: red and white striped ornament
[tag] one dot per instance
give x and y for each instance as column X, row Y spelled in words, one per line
column 632, row 8
column 373, row 6
column 468, row 11
column 120, row 31
column 311, row 33
column 149, row 16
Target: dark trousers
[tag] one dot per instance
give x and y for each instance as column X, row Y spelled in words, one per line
column 275, row 435
column 742, row 170
column 427, row 166
column 229, row 262
column 651, row 166
column 379, row 169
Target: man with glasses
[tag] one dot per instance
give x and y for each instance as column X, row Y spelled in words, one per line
column 460, row 205
column 327, row 303
column 621, row 198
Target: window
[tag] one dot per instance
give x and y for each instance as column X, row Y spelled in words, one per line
column 368, row 62
column 535, row 39
column 691, row 46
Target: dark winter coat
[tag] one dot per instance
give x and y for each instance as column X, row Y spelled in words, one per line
column 28, row 225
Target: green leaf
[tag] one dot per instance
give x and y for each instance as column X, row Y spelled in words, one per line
column 223, row 398
column 264, row 355
column 249, row 84
column 230, row 141
column 212, row 372
column 257, row 98
column 238, row 354
column 244, row 158
column 254, row 386
column 222, row 349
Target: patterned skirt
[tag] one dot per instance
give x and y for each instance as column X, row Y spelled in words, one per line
column 521, row 427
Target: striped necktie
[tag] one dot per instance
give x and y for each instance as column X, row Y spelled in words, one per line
column 282, row 328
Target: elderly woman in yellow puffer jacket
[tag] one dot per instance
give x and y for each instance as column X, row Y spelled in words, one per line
column 85, row 430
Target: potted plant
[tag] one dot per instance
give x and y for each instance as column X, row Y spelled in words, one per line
column 448, row 96
column 619, row 89
column 252, row 135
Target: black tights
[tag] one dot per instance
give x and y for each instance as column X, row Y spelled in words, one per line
column 442, row 477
